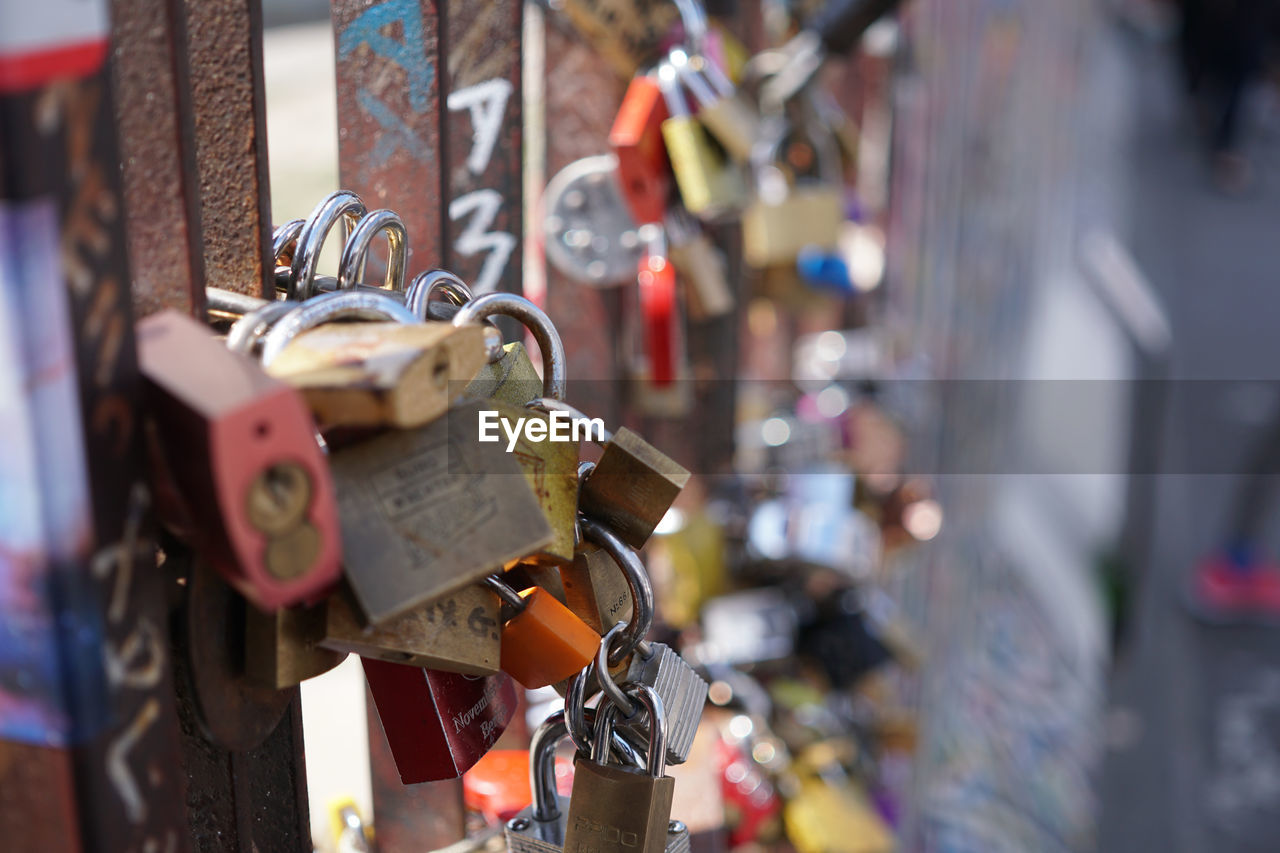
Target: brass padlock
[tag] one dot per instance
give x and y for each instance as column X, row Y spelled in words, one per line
column 701, row 266
column 596, row 589
column 621, row 810
column 282, row 649
column 458, row 632
column 710, row 186
column 549, row 464
column 798, row 201
column 727, row 116
column 632, row 486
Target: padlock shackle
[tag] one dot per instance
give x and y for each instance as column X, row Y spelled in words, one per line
column 428, row 283
column 344, row 304
column 284, row 242
column 693, row 17
column 612, row 691
column 302, row 271
column 506, row 592
column 542, row 761
column 637, row 579
column 656, row 754
column 356, row 250
column 536, row 321
column 250, row 328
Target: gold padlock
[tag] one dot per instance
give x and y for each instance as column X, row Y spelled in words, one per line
column 798, row 199
column 596, row 589
column 458, row 632
column 710, row 186
column 282, row 649
column 550, row 465
column 632, row 486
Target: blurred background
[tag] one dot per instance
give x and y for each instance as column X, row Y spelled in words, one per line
column 1063, row 335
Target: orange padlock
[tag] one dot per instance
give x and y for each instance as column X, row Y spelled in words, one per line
column 544, row 642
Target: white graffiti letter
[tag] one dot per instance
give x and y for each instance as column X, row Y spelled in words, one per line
column 477, row 237
column 487, row 102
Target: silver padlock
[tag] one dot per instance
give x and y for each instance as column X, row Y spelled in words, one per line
column 683, row 692
column 540, row 827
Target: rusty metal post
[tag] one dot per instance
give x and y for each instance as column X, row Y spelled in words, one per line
column 157, row 156
column 429, row 117
column 88, row 730
column 227, row 105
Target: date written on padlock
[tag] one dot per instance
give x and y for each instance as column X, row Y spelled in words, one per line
column 438, row 724
column 380, row 374
column 425, row 512
column 235, row 448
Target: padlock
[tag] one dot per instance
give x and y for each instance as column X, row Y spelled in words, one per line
column 828, row 817
column 595, row 588
column 589, row 231
column 540, row 827
column 458, row 632
column 701, row 267
column 549, row 465
column 614, row 809
column 282, row 649
column 644, row 172
column 234, row 445
column 729, row 118
column 425, row 512
column 380, row 374
column 709, row 185
column 798, row 199
column 632, row 487
column 656, row 280
column 438, row 724
column 682, row 690
column 543, row 642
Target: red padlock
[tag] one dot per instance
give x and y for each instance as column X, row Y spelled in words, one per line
column 657, row 280
column 236, row 448
column 636, row 137
column 438, row 724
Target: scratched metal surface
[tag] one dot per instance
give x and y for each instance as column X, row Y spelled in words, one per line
column 112, row 701
column 389, row 118
column 481, row 142
column 161, row 207
column 227, row 104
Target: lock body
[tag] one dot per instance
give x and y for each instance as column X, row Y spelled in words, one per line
column 458, row 632
column 551, row 469
column 427, row 511
column 775, row 233
column 617, row 810
column 683, row 693
column 595, row 588
column 636, row 137
column 234, row 446
column 545, row 642
column 512, row 379
column 438, row 724
column 709, row 186
column 282, row 649
column 632, row 487
column 701, row 267
column 380, row 374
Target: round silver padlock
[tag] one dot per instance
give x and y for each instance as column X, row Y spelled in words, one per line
column 341, row 305
column 356, row 250
column 342, row 205
column 536, row 321
column 589, row 233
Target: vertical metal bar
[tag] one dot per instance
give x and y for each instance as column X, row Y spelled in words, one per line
column 87, row 704
column 480, row 140
column 227, row 103
column 157, row 157
column 389, row 117
column 408, row 819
